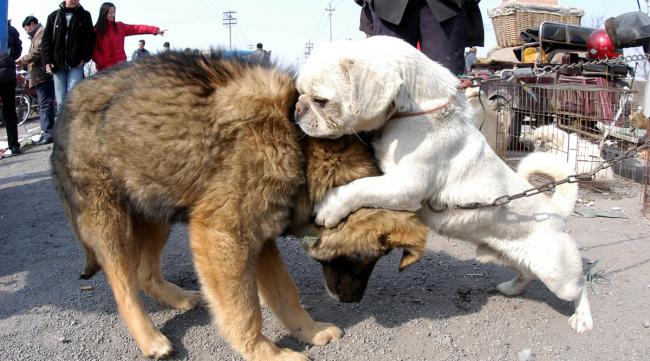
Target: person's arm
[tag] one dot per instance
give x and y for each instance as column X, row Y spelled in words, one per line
column 18, row 45
column 141, row 29
column 46, row 44
column 34, row 53
column 88, row 39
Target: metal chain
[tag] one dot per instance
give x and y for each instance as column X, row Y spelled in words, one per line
column 548, row 186
column 536, row 71
column 623, row 59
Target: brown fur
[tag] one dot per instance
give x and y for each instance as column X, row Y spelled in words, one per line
column 200, row 136
column 367, row 232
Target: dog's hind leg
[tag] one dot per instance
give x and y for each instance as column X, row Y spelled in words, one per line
column 108, row 231
column 226, row 265
column 516, row 285
column 151, row 238
column 92, row 266
column 281, row 295
column 553, row 257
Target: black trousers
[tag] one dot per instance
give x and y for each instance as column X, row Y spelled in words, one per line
column 441, row 42
column 8, row 96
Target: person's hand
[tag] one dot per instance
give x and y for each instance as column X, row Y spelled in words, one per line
column 161, row 32
column 48, row 68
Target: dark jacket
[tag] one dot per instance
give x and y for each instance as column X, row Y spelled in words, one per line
column 34, row 60
column 65, row 53
column 8, row 61
column 393, row 10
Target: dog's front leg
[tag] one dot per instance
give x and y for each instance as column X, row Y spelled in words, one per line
column 280, row 294
column 226, row 267
column 403, row 193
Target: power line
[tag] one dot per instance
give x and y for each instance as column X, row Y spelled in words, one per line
column 229, row 20
column 308, row 47
column 330, row 10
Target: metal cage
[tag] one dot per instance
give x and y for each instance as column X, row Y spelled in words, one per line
column 583, row 120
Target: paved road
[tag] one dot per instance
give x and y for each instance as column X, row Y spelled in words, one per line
column 443, row 308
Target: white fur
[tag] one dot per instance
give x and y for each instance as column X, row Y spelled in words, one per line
column 491, row 119
column 441, row 159
column 581, row 154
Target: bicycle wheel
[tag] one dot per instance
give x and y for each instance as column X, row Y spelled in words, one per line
column 23, row 108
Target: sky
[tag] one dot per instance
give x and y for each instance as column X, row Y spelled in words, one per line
column 283, row 26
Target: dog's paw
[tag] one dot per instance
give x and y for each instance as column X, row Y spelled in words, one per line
column 157, row 347
column 320, row 333
column 330, row 210
column 273, row 353
column 190, row 300
column 581, row 322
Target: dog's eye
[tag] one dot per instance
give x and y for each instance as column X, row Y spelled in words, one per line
column 320, row 101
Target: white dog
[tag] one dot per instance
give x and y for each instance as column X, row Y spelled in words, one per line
column 581, row 154
column 491, row 117
column 433, row 158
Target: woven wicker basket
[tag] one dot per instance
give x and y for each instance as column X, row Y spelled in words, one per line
column 510, row 19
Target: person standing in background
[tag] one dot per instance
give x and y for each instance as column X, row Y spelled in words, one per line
column 470, row 59
column 442, row 27
column 166, row 46
column 140, row 52
column 8, row 89
column 261, row 55
column 110, row 34
column 67, row 45
column 39, row 79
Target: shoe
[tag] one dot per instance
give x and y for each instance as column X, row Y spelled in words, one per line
column 11, row 152
column 44, row 141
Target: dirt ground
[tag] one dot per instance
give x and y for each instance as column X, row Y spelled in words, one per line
column 443, row 308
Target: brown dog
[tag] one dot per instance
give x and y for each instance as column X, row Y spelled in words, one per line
column 209, row 140
column 349, row 252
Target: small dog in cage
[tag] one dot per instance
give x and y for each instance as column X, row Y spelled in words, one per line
column 486, row 118
column 581, row 154
column 433, row 158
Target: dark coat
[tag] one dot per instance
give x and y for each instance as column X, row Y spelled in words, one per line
column 80, row 41
column 393, row 10
column 8, row 62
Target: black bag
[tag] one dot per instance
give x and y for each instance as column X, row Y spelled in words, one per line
column 629, row 30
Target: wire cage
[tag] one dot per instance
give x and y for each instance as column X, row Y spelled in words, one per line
column 583, row 120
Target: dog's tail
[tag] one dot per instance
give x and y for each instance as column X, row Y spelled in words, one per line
column 548, row 164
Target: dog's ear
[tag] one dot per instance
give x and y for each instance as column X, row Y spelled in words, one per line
column 373, row 86
column 410, row 255
column 411, row 236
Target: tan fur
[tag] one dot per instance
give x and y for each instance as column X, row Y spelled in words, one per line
column 369, row 232
column 208, row 138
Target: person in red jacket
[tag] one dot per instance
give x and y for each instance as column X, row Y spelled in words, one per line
column 110, row 34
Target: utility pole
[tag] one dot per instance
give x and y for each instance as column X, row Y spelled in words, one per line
column 330, row 10
column 229, row 20
column 308, row 46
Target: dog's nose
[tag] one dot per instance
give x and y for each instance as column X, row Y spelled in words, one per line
column 300, row 108
column 300, row 111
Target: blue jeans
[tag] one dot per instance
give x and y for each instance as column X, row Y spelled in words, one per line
column 45, row 95
column 63, row 83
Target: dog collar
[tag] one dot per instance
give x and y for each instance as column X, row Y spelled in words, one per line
column 428, row 111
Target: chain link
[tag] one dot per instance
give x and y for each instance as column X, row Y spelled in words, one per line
column 548, row 186
column 623, row 59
